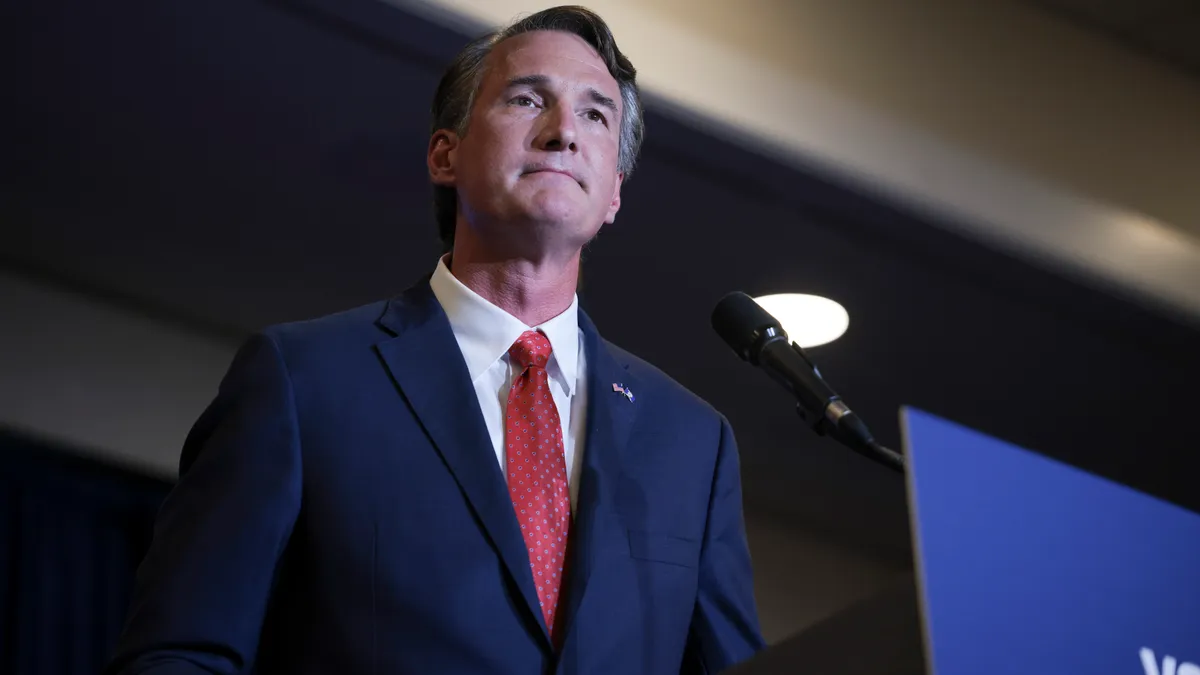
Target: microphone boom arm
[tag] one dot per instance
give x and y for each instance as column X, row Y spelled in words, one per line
column 858, row 439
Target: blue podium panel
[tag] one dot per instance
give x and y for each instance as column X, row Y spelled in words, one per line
column 1027, row 565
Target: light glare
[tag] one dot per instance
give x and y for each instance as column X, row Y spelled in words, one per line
column 809, row 320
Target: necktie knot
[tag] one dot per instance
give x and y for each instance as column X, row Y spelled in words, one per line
column 531, row 349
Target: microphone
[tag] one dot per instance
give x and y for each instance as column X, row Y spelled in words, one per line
column 759, row 338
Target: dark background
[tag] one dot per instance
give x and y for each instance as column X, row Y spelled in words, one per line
column 226, row 165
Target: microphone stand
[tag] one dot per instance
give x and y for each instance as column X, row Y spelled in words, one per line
column 886, row 456
column 841, row 424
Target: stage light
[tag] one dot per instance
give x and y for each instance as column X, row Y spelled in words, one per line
column 810, row 320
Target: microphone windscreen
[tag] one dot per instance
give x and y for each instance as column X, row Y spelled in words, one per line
column 740, row 321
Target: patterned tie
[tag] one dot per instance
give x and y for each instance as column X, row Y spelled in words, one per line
column 537, row 469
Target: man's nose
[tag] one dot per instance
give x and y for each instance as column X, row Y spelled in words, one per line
column 558, row 133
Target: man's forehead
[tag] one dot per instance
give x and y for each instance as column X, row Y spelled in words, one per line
column 554, row 54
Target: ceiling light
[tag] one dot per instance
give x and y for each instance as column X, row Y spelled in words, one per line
column 809, row 320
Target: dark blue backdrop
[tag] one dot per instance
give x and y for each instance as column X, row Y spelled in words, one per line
column 72, row 532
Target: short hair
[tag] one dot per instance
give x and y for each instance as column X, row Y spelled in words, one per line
column 460, row 83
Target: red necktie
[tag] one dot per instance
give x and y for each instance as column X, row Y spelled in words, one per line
column 537, row 469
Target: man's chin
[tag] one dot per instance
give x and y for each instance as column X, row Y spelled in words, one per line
column 559, row 228
column 555, row 211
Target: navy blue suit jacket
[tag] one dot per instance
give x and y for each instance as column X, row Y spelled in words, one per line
column 340, row 510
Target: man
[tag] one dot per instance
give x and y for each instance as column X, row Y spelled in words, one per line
column 466, row 478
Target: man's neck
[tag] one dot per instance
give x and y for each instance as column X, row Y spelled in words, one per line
column 532, row 291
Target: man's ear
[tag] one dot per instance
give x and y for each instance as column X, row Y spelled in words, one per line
column 615, row 204
column 442, row 156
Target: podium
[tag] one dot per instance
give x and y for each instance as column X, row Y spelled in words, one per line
column 1023, row 565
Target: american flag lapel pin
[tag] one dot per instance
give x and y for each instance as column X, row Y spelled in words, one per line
column 620, row 388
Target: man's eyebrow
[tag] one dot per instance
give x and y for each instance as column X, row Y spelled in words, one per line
column 602, row 100
column 527, row 81
column 537, row 80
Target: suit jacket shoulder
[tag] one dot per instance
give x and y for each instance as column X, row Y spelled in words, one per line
column 309, row 338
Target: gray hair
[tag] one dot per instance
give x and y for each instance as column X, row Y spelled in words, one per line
column 456, row 92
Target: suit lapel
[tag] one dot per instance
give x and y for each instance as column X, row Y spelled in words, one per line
column 425, row 362
column 610, row 416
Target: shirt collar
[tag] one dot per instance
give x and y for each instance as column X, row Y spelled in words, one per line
column 485, row 332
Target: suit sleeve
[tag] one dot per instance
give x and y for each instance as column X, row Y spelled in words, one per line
column 725, row 628
column 202, row 590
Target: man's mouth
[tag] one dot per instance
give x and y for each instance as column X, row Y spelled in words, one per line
column 550, row 169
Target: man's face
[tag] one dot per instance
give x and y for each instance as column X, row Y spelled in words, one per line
column 538, row 165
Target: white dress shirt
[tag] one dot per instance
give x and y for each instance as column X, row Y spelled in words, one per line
column 485, row 333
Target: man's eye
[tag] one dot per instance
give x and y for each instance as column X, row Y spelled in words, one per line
column 596, row 116
column 524, row 101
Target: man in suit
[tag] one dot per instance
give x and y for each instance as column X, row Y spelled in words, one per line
column 467, row 478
